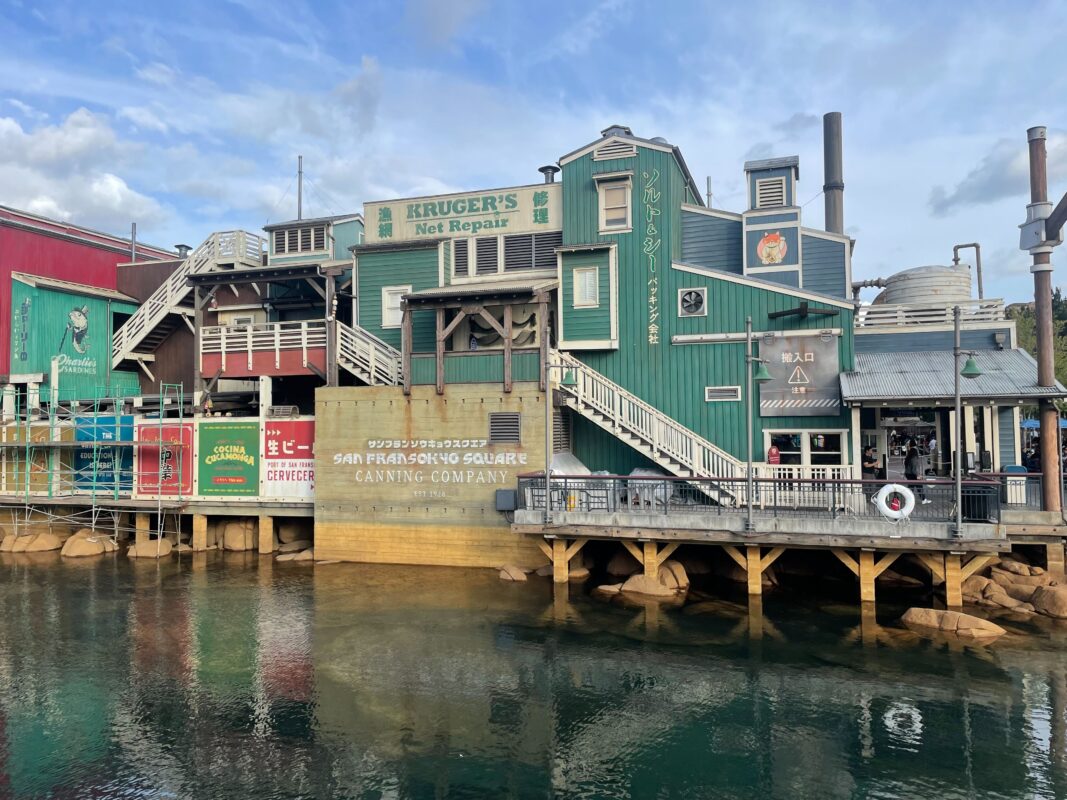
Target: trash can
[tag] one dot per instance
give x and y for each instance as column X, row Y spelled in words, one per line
column 1014, row 493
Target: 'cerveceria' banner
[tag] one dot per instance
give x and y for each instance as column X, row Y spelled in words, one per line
column 523, row 209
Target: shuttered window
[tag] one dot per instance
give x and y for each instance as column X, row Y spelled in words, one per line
column 615, row 150
column 279, row 241
column 586, row 287
column 319, row 237
column 300, row 240
column 485, row 249
column 505, row 427
column 459, row 257
column 392, row 305
column 545, row 245
column 770, row 192
column 561, row 432
column 518, row 252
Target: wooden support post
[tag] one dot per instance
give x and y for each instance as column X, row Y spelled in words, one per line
column 953, row 581
column 755, row 574
column 266, row 534
column 440, row 339
column 405, row 345
column 651, row 560
column 142, row 527
column 507, row 348
column 199, row 532
column 650, row 556
column 755, row 617
column 198, row 328
column 332, row 374
column 866, row 563
column 560, row 563
column 975, row 564
column 1054, row 559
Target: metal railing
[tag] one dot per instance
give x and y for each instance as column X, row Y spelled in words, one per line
column 797, row 498
column 896, row 314
column 243, row 340
column 1018, row 490
column 368, row 357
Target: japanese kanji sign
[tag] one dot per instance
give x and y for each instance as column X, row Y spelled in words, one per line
column 289, row 459
column 165, row 462
column 804, row 371
column 228, row 458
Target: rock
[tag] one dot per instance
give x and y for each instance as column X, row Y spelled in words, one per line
column 951, row 622
column 623, row 565
column 40, row 543
column 1050, row 601
column 110, row 546
column 1004, row 577
column 8, row 543
column 1015, row 567
column 182, row 547
column 650, row 587
column 544, row 572
column 974, row 585
column 577, row 574
column 509, row 572
column 84, row 543
column 609, row 588
column 153, row 548
column 1037, row 570
column 894, row 578
column 1019, row 591
column 239, row 534
column 291, row 531
column 1019, row 557
column 695, row 565
column 305, row 555
column 996, row 594
column 294, row 547
column 677, row 571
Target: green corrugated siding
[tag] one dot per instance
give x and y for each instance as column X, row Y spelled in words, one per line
column 673, row 378
column 480, row 368
column 345, row 235
column 583, row 324
column 415, row 268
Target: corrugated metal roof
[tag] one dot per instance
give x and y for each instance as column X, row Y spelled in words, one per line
column 773, row 163
column 74, row 288
column 510, row 286
column 929, row 376
column 298, row 223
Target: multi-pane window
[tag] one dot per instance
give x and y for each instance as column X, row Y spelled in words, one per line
column 392, row 308
column 614, row 206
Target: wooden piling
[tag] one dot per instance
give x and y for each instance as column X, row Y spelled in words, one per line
column 199, row 532
column 266, row 535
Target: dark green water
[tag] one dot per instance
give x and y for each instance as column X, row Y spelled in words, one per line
column 229, row 677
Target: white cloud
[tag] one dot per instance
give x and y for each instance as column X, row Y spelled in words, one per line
column 157, row 73
column 28, row 111
column 143, row 118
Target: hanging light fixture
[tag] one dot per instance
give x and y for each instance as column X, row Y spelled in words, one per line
column 762, row 375
column 970, row 369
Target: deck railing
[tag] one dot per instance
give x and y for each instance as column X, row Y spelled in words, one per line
column 801, row 497
column 897, row 314
column 241, row 341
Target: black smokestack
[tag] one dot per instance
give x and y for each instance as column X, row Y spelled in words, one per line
column 834, row 185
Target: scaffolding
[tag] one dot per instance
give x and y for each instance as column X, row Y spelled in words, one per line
column 72, row 461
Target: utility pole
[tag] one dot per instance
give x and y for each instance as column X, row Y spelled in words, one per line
column 1040, row 233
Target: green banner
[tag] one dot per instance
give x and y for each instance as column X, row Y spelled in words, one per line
column 228, row 458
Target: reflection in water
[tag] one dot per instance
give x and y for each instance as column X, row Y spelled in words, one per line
column 230, row 676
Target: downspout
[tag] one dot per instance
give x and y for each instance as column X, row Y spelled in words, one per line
column 977, row 262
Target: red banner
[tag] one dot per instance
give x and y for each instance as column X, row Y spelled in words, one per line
column 166, row 470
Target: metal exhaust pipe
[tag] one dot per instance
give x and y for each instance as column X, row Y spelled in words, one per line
column 833, row 176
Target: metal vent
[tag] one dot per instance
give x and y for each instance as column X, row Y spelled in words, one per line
column 279, row 241
column 319, row 236
column 485, row 248
column 692, row 302
column 305, row 240
column 518, row 252
column 505, row 427
column 276, row 412
column 615, row 150
column 459, row 256
column 561, row 431
column 770, row 192
column 545, row 245
column 718, row 394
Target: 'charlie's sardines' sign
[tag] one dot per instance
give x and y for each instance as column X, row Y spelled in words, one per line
column 523, row 209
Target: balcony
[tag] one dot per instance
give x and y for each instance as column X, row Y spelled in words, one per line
column 267, row 348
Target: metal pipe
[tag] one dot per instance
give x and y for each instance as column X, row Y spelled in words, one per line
column 549, row 171
column 977, row 262
column 833, row 174
column 133, row 242
column 959, row 420
column 299, row 187
column 857, row 285
column 748, row 419
column 709, row 191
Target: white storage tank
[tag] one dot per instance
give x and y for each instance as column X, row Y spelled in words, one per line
column 930, row 284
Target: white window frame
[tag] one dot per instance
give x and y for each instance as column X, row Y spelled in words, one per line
column 387, row 291
column 595, row 303
column 805, row 443
column 602, row 187
column 299, row 232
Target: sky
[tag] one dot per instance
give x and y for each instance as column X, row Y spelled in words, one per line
column 188, row 117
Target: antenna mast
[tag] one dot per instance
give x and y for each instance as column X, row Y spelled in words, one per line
column 299, row 187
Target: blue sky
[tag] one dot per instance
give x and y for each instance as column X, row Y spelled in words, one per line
column 188, row 117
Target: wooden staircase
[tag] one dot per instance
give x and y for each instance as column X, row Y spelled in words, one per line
column 647, row 430
column 164, row 310
column 373, row 361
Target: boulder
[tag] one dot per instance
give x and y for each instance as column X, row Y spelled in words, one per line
column 1005, row 577
column 893, row 578
column 1019, row 557
column 40, row 543
column 644, row 585
column 578, row 574
column 239, row 534
column 974, row 586
column 84, row 543
column 1016, row 567
column 8, row 543
column 609, row 588
column 153, row 548
column 110, row 546
column 509, row 572
column 1038, row 570
column 291, row 530
column 623, row 565
column 305, row 555
column 1019, row 591
column 294, row 546
column 672, row 575
column 1050, row 601
column 544, row 572
column 951, row 622
column 996, row 595
column 182, row 547
column 695, row 565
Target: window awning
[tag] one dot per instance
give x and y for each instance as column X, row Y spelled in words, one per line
column 509, row 290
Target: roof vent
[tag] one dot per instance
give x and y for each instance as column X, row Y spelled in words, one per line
column 549, row 171
column 659, row 140
column 183, row 251
column 616, row 130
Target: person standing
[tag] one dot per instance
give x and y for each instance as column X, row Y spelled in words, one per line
column 932, row 451
column 869, row 469
column 912, row 467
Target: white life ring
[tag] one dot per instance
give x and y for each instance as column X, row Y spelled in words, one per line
column 890, row 513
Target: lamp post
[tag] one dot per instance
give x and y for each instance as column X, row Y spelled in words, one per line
column 762, row 376
column 970, row 371
column 568, row 380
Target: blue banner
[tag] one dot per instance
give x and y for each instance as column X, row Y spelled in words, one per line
column 96, row 463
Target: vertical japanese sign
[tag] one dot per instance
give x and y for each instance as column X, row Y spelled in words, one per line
column 804, row 380
column 228, row 461
column 99, row 465
column 650, row 246
column 289, row 459
column 165, row 460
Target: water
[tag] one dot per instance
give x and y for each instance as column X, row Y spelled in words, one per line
column 232, row 677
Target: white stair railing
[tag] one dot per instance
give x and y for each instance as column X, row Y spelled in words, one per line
column 368, row 357
column 628, row 413
column 224, row 247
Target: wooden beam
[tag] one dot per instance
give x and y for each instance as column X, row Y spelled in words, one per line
column 572, row 551
column 507, row 349
column 651, row 560
column 635, row 551
column 405, row 346
column 314, row 285
column 560, row 563
column 450, row 329
column 885, row 562
column 975, row 564
column 847, row 560
column 735, row 554
column 755, row 574
column 496, row 326
column 667, row 551
column 770, row 558
column 1054, row 559
column 953, row 581
column 545, row 548
column 867, row 576
column 933, row 563
column 440, row 345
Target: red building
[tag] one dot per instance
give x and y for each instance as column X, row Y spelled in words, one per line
column 48, row 248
